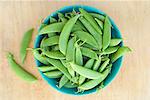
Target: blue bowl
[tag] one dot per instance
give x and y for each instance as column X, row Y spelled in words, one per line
column 116, row 66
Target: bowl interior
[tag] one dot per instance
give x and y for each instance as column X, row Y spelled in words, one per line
column 116, row 65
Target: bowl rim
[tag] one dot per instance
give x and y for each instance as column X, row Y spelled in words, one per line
column 84, row 7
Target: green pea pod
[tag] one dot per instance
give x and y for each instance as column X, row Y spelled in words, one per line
column 62, row 17
column 69, row 68
column 50, row 41
column 41, row 58
column 84, row 36
column 46, row 68
column 51, row 28
column 86, row 72
column 78, row 23
column 65, row 33
column 79, row 58
column 93, row 32
column 106, row 33
column 103, row 66
column 110, row 50
column 90, row 19
column 19, row 71
column 60, row 67
column 76, row 28
column 52, row 20
column 97, row 64
column 63, row 81
column 55, row 47
column 93, row 83
column 51, row 34
column 114, row 42
column 120, row 52
column 53, row 54
column 89, row 65
column 53, row 74
column 70, row 55
column 89, row 46
column 89, row 53
column 98, row 16
column 70, row 85
column 100, row 23
column 43, row 39
column 25, row 43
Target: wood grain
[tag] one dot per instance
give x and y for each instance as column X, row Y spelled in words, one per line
column 133, row 20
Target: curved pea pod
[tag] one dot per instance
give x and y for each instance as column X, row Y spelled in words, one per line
column 39, row 56
column 69, row 68
column 110, row 50
column 97, row 64
column 98, row 16
column 70, row 55
column 104, row 65
column 76, row 28
column 92, row 31
column 64, row 36
column 86, row 72
column 46, row 68
column 50, row 41
column 91, row 20
column 70, row 85
column 89, row 46
column 100, row 23
column 78, row 23
column 61, row 17
column 93, row 83
column 25, row 43
column 19, row 71
column 79, row 58
column 115, row 42
column 63, row 81
column 106, row 33
column 120, row 52
column 52, row 20
column 53, row 54
column 60, row 67
column 53, row 74
column 51, row 34
column 84, row 36
column 55, row 27
column 89, row 65
column 89, row 53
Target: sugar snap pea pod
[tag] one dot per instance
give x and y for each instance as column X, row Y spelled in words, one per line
column 50, row 41
column 51, row 28
column 63, row 81
column 89, row 53
column 70, row 85
column 103, row 66
column 25, row 43
column 64, row 36
column 84, row 36
column 93, row 32
column 51, row 34
column 89, row 65
column 106, row 33
column 62, row 17
column 55, row 47
column 69, row 68
column 97, row 64
column 19, row 71
column 76, row 28
column 86, row 72
column 39, row 56
column 43, row 39
column 120, row 52
column 60, row 67
column 115, row 42
column 89, row 46
column 92, row 83
column 52, row 20
column 78, row 23
column 53, row 54
column 98, row 16
column 110, row 50
column 79, row 58
column 53, row 74
column 70, row 55
column 46, row 68
column 100, row 23
column 91, row 20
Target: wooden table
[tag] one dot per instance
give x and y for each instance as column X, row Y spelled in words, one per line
column 133, row 80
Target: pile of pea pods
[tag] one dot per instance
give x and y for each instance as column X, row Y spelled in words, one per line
column 78, row 50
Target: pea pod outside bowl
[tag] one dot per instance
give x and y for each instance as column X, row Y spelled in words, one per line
column 116, row 65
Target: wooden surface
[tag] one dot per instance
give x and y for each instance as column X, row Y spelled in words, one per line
column 133, row 80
